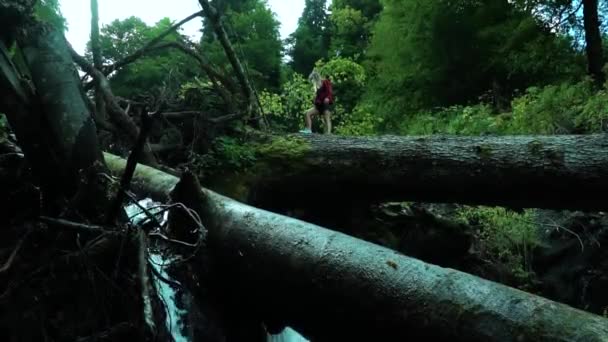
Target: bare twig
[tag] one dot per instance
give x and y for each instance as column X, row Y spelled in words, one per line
column 7, row 265
column 558, row 227
column 78, row 227
column 177, row 242
column 121, row 118
column 570, row 15
column 110, row 334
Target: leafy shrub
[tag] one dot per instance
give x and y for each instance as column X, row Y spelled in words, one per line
column 550, row 110
column 456, row 120
column 555, row 109
column 348, row 79
column 362, row 121
column 227, row 154
column 287, row 109
column 595, row 113
column 504, row 237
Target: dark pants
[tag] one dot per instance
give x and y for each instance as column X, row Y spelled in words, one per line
column 322, row 107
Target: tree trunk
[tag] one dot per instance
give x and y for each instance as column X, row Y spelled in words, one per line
column 335, row 287
column 593, row 38
column 100, row 105
column 557, row 172
column 67, row 123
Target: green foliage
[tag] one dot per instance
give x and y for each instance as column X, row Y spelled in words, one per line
column 550, row 110
column 227, row 154
column 348, row 79
column 349, row 32
column 49, row 11
column 555, row 109
column 199, row 93
column 504, row 237
column 351, row 23
column 455, row 120
column 166, row 68
column 286, row 110
column 284, row 148
column 362, row 121
column 310, row 41
column 594, row 116
column 421, row 54
column 253, row 30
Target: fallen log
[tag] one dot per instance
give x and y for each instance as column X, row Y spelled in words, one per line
column 555, row 172
column 332, row 286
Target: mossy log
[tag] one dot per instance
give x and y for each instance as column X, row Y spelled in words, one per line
column 331, row 286
column 554, row 172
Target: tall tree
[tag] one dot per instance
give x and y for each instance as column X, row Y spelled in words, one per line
column 565, row 16
column 100, row 105
column 310, row 41
column 351, row 23
column 123, row 37
column 422, row 57
column 253, row 30
column 593, row 39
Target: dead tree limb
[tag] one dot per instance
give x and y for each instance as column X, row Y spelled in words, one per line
column 215, row 76
column 78, row 227
column 117, row 114
column 200, row 116
column 132, row 161
column 340, row 288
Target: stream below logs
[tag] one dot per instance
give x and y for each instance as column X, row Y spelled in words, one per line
column 176, row 315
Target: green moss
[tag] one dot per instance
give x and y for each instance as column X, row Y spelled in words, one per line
column 288, row 147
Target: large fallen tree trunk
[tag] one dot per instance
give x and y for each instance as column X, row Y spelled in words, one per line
column 333, row 286
column 561, row 172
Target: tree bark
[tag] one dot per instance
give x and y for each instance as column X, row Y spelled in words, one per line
column 331, row 286
column 593, row 38
column 67, row 122
column 557, row 172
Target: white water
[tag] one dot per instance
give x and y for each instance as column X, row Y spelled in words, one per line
column 287, row 335
column 175, row 325
column 168, row 295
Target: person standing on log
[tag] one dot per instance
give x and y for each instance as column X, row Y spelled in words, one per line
column 323, row 102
